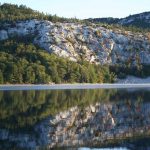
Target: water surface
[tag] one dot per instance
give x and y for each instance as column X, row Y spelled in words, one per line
column 25, row 114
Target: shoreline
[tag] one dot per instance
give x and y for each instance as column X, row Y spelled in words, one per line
column 71, row 86
column 134, row 80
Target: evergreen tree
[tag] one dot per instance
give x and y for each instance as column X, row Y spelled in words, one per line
column 1, row 77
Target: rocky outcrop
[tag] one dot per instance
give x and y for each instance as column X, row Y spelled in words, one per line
column 141, row 20
column 93, row 43
column 133, row 19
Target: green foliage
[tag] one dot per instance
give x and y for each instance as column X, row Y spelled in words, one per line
column 133, row 28
column 11, row 13
column 23, row 62
column 1, row 77
column 140, row 70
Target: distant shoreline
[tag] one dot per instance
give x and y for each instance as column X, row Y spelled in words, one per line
column 70, row 86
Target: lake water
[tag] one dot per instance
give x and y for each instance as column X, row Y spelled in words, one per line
column 103, row 119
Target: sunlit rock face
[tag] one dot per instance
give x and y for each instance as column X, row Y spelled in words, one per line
column 93, row 43
column 99, row 124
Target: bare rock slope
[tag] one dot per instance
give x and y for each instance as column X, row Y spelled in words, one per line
column 93, row 43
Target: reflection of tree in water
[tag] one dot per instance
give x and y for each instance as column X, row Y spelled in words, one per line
column 25, row 108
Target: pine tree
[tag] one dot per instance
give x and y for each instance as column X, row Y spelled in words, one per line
column 1, row 77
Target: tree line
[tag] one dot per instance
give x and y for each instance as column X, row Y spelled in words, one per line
column 12, row 13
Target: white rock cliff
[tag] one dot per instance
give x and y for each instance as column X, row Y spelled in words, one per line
column 93, row 43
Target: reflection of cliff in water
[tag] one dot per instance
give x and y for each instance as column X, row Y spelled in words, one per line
column 100, row 124
column 19, row 109
column 23, row 109
column 32, row 118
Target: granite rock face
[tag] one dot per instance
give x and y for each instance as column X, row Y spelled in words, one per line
column 93, row 43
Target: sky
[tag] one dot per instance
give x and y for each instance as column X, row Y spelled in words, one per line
column 86, row 8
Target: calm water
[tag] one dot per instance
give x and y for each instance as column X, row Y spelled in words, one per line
column 26, row 118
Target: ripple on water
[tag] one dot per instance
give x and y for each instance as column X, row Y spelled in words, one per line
column 85, row 148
